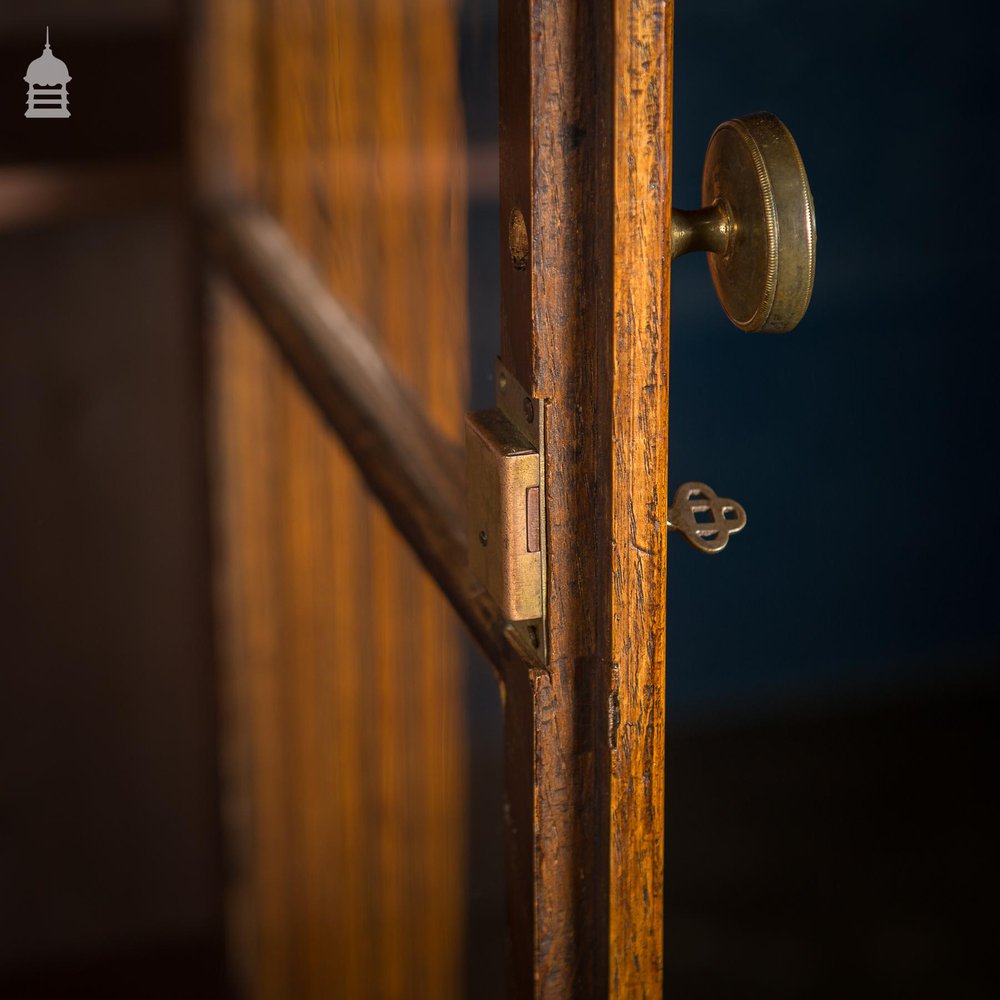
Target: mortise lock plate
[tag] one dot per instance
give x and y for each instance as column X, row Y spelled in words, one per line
column 506, row 504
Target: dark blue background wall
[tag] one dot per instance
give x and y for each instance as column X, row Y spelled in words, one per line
column 810, row 856
column 862, row 444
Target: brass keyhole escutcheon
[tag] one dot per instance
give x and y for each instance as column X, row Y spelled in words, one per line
column 758, row 224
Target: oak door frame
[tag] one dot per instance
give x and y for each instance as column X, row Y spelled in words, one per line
column 585, row 140
column 585, row 129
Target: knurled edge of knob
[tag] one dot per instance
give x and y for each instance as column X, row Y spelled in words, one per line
column 770, row 219
column 811, row 216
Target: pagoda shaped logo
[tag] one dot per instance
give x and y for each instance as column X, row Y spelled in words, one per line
column 47, row 78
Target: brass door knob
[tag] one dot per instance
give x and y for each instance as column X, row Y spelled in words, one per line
column 757, row 224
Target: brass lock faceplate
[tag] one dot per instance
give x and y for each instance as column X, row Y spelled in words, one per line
column 505, row 477
column 504, row 513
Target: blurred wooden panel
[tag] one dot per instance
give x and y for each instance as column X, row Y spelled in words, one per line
column 342, row 668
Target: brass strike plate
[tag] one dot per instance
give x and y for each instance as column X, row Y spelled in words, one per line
column 505, row 505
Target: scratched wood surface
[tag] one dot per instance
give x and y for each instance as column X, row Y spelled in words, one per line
column 547, row 155
column 584, row 155
column 635, row 380
column 342, row 685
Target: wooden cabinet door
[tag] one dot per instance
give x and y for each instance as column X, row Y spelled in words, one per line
column 332, row 177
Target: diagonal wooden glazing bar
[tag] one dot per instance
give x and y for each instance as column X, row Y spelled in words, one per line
column 415, row 473
column 585, row 104
column 585, row 93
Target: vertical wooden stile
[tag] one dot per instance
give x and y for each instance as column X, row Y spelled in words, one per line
column 636, row 383
column 585, row 157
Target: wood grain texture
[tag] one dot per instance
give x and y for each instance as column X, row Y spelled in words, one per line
column 342, row 662
column 548, row 155
column 585, row 115
column 638, row 391
column 585, row 106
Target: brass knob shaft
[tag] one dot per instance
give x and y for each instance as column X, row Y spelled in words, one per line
column 758, row 224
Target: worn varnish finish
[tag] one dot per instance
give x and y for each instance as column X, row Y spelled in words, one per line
column 342, row 679
column 585, row 114
column 548, row 129
column 636, row 385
